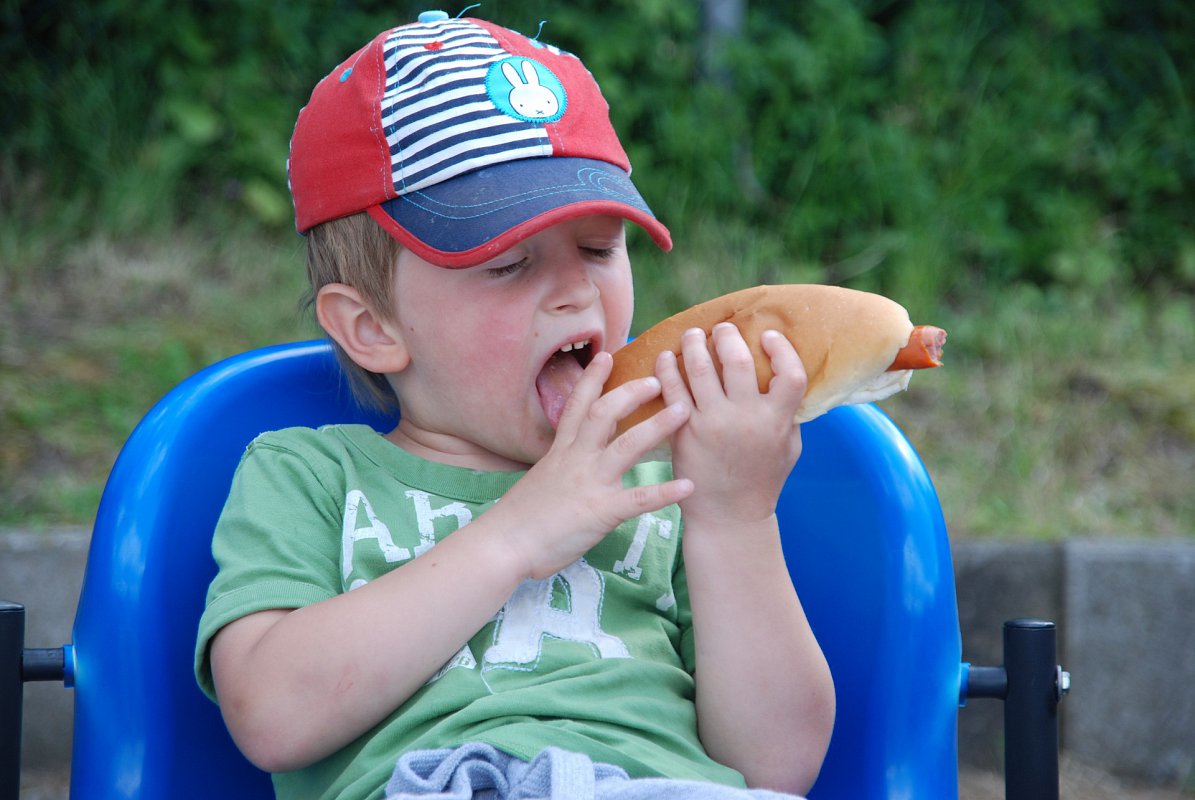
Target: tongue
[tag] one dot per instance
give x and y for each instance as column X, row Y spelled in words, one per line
column 555, row 383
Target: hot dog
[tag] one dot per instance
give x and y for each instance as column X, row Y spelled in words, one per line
column 857, row 347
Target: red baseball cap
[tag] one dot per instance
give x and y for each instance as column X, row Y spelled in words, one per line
column 461, row 138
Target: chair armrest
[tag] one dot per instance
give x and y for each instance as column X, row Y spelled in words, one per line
column 1031, row 684
column 18, row 666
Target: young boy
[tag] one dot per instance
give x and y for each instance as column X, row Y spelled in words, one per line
column 496, row 596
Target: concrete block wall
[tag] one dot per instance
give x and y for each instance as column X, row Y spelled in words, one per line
column 44, row 572
column 1130, row 609
column 1124, row 609
column 996, row 582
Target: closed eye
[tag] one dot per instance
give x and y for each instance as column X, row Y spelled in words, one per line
column 599, row 253
column 508, row 269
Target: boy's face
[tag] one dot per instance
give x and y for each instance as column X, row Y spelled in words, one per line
column 487, row 378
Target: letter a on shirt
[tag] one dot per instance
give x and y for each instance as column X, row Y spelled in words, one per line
column 530, row 615
column 356, row 503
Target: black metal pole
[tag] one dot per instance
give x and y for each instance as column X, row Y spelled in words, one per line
column 1031, row 710
column 12, row 693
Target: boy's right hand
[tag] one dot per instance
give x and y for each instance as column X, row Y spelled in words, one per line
column 572, row 497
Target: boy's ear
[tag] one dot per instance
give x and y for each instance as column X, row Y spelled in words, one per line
column 370, row 341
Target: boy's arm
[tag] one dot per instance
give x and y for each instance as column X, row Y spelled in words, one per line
column 296, row 686
column 765, row 699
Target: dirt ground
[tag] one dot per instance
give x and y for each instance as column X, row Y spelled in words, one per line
column 1077, row 782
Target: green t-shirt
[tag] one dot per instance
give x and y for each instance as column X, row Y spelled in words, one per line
column 597, row 659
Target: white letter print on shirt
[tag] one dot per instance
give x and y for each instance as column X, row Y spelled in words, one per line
column 426, row 516
column 529, row 616
column 355, row 502
column 629, row 564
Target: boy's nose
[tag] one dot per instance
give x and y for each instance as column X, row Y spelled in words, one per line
column 574, row 286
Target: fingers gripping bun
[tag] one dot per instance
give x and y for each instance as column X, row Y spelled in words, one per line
column 847, row 340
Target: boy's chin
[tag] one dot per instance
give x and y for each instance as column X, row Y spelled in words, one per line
column 539, row 448
column 525, row 453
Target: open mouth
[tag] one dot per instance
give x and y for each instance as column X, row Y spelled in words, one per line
column 560, row 374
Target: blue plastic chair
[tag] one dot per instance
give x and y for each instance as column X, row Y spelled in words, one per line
column 864, row 539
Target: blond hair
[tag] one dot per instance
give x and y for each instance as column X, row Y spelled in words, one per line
column 355, row 251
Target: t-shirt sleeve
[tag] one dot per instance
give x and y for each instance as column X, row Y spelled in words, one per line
column 277, row 541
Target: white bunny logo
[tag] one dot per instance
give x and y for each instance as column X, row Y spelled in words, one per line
column 531, row 99
column 526, row 90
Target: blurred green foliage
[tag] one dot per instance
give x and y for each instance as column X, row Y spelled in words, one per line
column 1018, row 172
column 911, row 147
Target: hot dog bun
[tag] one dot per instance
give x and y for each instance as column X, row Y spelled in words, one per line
column 848, row 340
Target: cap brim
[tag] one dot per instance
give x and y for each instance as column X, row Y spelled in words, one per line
column 469, row 219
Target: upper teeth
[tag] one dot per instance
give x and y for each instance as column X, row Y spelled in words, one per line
column 574, row 346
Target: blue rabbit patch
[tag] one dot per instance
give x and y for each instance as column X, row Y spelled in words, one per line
column 526, row 90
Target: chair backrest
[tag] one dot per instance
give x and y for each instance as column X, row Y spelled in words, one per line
column 866, row 545
column 864, row 540
column 142, row 727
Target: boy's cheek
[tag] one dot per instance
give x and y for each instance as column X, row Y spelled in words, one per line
column 491, row 347
column 619, row 325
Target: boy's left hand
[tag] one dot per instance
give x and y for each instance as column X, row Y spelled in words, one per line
column 739, row 444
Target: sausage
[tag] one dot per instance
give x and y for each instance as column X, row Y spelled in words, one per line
column 923, row 351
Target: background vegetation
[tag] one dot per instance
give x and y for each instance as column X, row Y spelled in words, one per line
column 1018, row 172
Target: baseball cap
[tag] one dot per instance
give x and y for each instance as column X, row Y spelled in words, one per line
column 460, row 138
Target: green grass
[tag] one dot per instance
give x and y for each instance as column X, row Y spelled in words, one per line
column 92, row 333
column 1059, row 412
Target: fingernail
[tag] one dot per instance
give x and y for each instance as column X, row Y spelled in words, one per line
column 598, row 358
